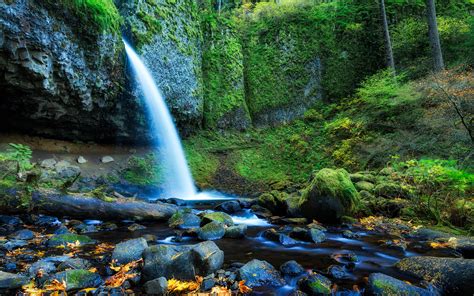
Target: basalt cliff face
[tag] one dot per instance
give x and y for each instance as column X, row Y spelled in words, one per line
column 60, row 77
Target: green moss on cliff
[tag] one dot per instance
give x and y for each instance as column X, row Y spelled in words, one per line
column 175, row 20
column 102, row 14
column 223, row 70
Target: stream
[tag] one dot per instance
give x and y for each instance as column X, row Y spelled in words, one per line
column 371, row 255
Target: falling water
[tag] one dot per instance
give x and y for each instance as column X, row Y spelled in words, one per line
column 178, row 180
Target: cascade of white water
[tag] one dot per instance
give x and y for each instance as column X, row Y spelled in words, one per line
column 178, row 181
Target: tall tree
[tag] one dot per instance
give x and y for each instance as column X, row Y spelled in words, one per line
column 437, row 54
column 388, row 41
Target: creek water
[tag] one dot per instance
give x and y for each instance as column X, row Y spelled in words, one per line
column 372, row 255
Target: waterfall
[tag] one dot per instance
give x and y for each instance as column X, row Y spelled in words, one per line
column 177, row 176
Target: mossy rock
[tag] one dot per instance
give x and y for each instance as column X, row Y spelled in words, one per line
column 78, row 279
column 211, row 231
column 364, row 185
column 381, row 284
column 69, row 238
column 316, row 284
column 275, row 201
column 330, row 195
column 184, row 219
column 217, row 217
column 363, row 176
column 391, row 190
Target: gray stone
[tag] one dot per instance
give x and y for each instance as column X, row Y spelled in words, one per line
column 11, row 280
column 157, row 286
column 381, row 285
column 291, row 268
column 453, row 276
column 75, row 263
column 81, row 160
column 258, row 273
column 66, row 170
column 68, row 238
column 24, row 234
column 48, row 163
column 317, row 235
column 217, row 217
column 129, row 250
column 107, row 159
column 315, row 284
column 211, row 231
column 78, row 279
column 181, row 262
column 45, row 266
column 229, row 207
column 237, row 231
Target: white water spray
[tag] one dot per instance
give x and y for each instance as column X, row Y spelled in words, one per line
column 178, row 181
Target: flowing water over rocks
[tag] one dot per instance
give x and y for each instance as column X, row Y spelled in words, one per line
column 346, row 258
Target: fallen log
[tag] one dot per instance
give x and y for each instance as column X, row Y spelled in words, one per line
column 83, row 207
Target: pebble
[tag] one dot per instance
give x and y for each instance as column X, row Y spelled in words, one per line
column 107, row 159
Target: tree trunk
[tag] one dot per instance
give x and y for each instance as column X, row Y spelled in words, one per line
column 437, row 54
column 388, row 42
column 82, row 207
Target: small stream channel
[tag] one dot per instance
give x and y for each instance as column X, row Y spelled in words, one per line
column 372, row 256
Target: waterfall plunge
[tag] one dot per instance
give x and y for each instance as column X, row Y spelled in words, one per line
column 177, row 177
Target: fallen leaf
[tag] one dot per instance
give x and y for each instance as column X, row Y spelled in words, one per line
column 243, row 288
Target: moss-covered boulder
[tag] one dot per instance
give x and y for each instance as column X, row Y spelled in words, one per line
column 78, row 279
column 315, row 284
column 11, row 280
column 384, row 285
column 275, row 201
column 211, row 231
column 69, row 238
column 453, row 276
column 184, row 219
column 330, row 195
column 219, row 217
column 391, row 190
column 364, row 185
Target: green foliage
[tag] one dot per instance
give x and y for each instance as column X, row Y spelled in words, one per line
column 443, row 190
column 143, row 170
column 102, row 14
column 411, row 45
column 20, row 155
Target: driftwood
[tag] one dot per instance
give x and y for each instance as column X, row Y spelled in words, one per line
column 83, row 207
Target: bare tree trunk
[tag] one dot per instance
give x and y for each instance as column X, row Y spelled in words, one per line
column 437, row 54
column 388, row 42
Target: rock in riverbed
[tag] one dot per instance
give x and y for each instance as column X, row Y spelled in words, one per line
column 211, row 231
column 11, row 280
column 258, row 273
column 381, row 284
column 181, row 262
column 129, row 250
column 453, row 276
column 78, row 279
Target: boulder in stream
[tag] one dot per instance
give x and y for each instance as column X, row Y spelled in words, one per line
column 181, row 262
column 237, row 231
column 315, row 284
column 381, row 285
column 217, row 217
column 330, row 196
column 258, row 273
column 12, row 281
column 211, row 231
column 453, row 276
column 129, row 250
column 78, row 279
